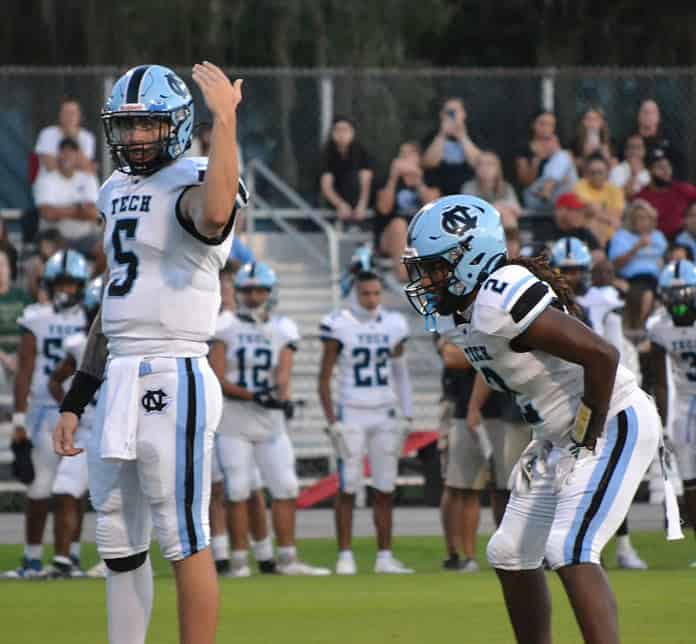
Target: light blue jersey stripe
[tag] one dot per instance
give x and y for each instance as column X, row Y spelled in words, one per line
column 180, row 490
column 199, row 455
column 516, row 287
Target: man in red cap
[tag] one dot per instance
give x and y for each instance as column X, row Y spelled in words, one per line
column 570, row 220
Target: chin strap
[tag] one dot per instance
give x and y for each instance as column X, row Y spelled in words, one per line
column 258, row 315
column 363, row 314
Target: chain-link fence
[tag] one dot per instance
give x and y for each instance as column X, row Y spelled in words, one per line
column 287, row 112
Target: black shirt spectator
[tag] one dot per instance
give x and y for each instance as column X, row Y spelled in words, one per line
column 532, row 155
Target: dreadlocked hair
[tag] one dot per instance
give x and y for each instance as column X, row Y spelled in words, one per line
column 540, row 268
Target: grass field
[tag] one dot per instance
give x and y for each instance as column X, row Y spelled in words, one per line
column 431, row 607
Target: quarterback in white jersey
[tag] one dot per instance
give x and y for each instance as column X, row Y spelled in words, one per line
column 252, row 355
column 672, row 333
column 595, row 431
column 168, row 226
column 367, row 343
column 45, row 326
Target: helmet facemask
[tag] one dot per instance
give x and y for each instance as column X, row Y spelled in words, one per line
column 680, row 301
column 259, row 312
column 62, row 300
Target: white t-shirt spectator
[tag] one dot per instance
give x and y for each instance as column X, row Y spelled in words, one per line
column 621, row 173
column 54, row 189
column 51, row 136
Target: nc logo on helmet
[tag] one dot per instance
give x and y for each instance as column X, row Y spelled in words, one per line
column 460, row 219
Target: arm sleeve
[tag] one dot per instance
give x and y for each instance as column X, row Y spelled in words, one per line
column 402, row 385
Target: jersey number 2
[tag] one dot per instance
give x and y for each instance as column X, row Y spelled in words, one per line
column 494, row 381
column 125, row 257
column 362, row 357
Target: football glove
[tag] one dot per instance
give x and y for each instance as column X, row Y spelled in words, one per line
column 335, row 432
column 22, row 466
column 266, row 399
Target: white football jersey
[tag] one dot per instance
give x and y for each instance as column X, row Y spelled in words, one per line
column 50, row 328
column 364, row 362
column 163, row 294
column 74, row 346
column 252, row 349
column 679, row 343
column 546, row 388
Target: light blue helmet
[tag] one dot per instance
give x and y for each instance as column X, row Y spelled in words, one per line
column 362, row 261
column 569, row 253
column 677, row 286
column 65, row 266
column 256, row 275
column 150, row 96
column 461, row 231
column 93, row 295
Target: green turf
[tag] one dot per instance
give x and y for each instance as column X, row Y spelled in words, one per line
column 431, row 607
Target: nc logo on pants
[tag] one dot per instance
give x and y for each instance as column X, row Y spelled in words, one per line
column 155, row 401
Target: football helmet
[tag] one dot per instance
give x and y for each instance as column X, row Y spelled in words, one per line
column 154, row 99
column 362, row 260
column 456, row 242
column 256, row 275
column 65, row 266
column 572, row 258
column 93, row 297
column 677, row 288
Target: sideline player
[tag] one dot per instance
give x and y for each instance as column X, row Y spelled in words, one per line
column 672, row 334
column 45, row 326
column 252, row 355
column 602, row 309
column 595, row 431
column 168, row 232
column 71, row 482
column 368, row 343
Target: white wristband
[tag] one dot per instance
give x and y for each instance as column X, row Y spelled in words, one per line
column 19, row 419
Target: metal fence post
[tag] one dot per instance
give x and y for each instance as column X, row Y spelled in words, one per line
column 548, row 89
column 326, row 105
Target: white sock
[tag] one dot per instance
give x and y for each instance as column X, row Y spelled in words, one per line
column 239, row 558
column 623, row 543
column 75, row 549
column 129, row 604
column 287, row 553
column 345, row 555
column 220, row 545
column 384, row 554
column 263, row 550
column 33, row 551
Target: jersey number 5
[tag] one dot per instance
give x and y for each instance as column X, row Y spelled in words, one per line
column 125, row 257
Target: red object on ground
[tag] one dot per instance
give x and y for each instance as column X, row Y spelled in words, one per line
column 328, row 486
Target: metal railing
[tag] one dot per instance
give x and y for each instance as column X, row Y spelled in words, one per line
column 299, row 209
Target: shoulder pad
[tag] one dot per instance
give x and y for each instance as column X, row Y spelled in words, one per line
column 398, row 321
column 331, row 324
column 509, row 301
column 73, row 343
column 288, row 328
column 224, row 321
column 657, row 326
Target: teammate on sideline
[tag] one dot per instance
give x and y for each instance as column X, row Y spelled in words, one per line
column 168, row 232
column 368, row 343
column 252, row 354
column 672, row 333
column 595, row 431
column 46, row 326
column 72, row 473
column 256, row 507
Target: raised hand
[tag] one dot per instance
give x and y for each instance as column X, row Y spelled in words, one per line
column 221, row 96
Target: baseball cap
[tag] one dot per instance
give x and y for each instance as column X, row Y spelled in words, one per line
column 654, row 155
column 570, row 200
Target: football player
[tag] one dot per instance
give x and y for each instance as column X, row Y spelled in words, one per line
column 672, row 333
column 602, row 308
column 367, row 343
column 72, row 472
column 46, row 326
column 252, row 355
column 168, row 230
column 595, row 431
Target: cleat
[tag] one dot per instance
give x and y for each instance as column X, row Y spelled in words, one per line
column 222, row 566
column 238, row 572
column 60, row 570
column 630, row 560
column 346, row 567
column 391, row 566
column 30, row 569
column 267, row 567
column 98, row 571
column 297, row 568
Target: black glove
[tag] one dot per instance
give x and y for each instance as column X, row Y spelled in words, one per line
column 266, row 399
column 289, row 409
column 22, row 466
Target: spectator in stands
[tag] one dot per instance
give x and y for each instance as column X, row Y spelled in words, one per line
column 346, row 174
column 66, row 198
column 676, row 252
column 636, row 250
column 557, row 176
column 669, row 197
column 68, row 127
column 48, row 242
column 12, row 303
column 604, row 201
column 631, row 175
column 570, row 220
column 450, row 154
column 402, row 196
column 687, row 237
column 649, row 127
column 489, row 184
column 531, row 157
column 592, row 138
